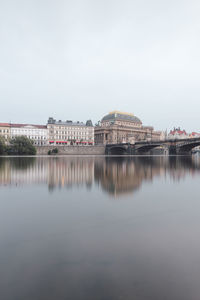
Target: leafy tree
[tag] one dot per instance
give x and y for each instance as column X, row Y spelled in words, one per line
column 2, row 146
column 55, row 150
column 21, row 145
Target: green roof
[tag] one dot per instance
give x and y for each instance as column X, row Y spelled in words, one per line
column 121, row 117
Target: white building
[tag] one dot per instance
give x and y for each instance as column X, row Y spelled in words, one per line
column 70, row 133
column 194, row 135
column 178, row 134
column 37, row 133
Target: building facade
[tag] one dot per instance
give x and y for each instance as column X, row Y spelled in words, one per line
column 5, row 131
column 194, row 135
column 118, row 127
column 178, row 134
column 37, row 133
column 70, row 133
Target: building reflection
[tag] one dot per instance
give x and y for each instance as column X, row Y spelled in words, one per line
column 119, row 175
column 55, row 172
column 71, row 171
column 116, row 175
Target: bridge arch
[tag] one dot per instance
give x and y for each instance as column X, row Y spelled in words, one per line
column 146, row 148
column 187, row 147
column 117, row 150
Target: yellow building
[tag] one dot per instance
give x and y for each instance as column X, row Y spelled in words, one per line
column 5, row 131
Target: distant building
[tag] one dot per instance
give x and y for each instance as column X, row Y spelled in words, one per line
column 194, row 135
column 37, row 133
column 70, row 133
column 118, row 127
column 5, row 131
column 178, row 134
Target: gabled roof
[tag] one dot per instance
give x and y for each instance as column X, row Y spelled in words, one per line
column 195, row 133
column 4, row 124
column 178, row 131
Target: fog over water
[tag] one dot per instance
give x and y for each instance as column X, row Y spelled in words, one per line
column 99, row 228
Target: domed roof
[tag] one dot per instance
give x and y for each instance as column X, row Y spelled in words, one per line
column 117, row 115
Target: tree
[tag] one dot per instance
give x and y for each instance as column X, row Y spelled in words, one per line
column 2, row 146
column 55, row 151
column 21, row 145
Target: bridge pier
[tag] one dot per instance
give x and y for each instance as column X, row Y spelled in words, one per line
column 175, row 150
column 172, row 150
column 180, row 152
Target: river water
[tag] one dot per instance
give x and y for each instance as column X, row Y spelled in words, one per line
column 100, row 228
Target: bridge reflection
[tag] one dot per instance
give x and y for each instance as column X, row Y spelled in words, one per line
column 115, row 175
column 122, row 175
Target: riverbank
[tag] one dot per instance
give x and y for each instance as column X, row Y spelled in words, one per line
column 72, row 150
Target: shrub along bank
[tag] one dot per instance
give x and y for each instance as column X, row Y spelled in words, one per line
column 20, row 145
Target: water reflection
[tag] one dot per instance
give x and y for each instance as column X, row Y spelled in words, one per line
column 116, row 175
column 74, row 243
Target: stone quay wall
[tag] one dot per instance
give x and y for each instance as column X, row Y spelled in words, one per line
column 72, row 150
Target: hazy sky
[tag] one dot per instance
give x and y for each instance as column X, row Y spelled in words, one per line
column 81, row 59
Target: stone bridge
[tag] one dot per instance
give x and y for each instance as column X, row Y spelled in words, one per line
column 179, row 147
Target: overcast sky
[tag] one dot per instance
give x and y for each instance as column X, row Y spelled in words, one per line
column 78, row 60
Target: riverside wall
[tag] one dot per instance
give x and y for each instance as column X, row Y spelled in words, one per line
column 72, row 150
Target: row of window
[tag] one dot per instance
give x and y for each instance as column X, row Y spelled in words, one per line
column 71, row 143
column 40, row 143
column 22, row 132
column 128, row 124
column 5, row 136
column 71, row 132
column 4, row 130
column 71, row 128
column 33, row 137
column 60, row 137
column 33, row 132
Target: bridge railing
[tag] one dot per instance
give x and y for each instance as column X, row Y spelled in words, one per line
column 145, row 142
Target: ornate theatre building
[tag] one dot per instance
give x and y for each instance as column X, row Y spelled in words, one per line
column 119, row 127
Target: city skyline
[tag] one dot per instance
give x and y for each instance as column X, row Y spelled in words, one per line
column 183, row 124
column 95, row 123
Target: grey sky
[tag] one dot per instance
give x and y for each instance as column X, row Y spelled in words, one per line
column 81, row 59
